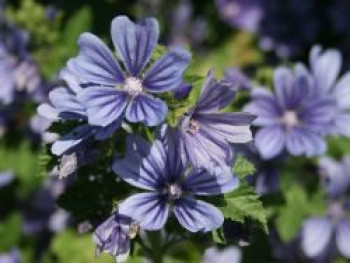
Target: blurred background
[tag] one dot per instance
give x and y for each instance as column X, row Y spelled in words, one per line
column 37, row 37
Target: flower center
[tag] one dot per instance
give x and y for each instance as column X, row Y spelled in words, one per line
column 193, row 127
column 174, row 191
column 290, row 119
column 133, row 86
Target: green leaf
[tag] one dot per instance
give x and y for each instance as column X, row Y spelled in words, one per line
column 70, row 247
column 243, row 203
column 243, row 167
column 23, row 161
column 80, row 22
column 298, row 206
column 10, row 232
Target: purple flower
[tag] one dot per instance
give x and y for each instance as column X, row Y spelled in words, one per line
column 318, row 232
column 326, row 68
column 206, row 132
column 64, row 105
column 113, row 93
column 244, row 14
column 160, row 169
column 17, row 71
column 230, row 254
column 294, row 117
column 113, row 236
column 335, row 175
column 12, row 257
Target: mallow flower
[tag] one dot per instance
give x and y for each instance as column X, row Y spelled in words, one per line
column 11, row 257
column 319, row 232
column 114, row 91
column 113, row 236
column 64, row 105
column 335, row 175
column 18, row 72
column 172, row 185
column 294, row 117
column 206, row 132
column 325, row 67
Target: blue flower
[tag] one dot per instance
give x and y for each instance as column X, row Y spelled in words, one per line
column 114, row 93
column 325, row 67
column 17, row 70
column 113, row 236
column 318, row 233
column 206, row 132
column 64, row 105
column 160, row 169
column 294, row 117
column 12, row 257
column 335, row 176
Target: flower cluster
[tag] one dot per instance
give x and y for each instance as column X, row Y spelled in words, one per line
column 104, row 95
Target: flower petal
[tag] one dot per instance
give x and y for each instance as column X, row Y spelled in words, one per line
column 95, row 62
column 67, row 142
column 47, row 111
column 265, row 107
column 102, row 133
column 303, row 141
column 214, row 182
column 150, row 210
column 316, row 235
column 66, row 103
column 196, row 215
column 343, row 237
column 283, row 85
column 104, row 105
column 146, row 172
column 326, row 67
column 342, row 124
column 214, row 95
column 166, row 73
column 134, row 42
column 233, row 127
column 147, row 109
column 342, row 92
column 270, row 141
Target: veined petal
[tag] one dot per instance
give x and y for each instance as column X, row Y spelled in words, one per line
column 326, row 68
column 147, row 109
column 316, row 235
column 134, row 42
column 104, row 105
column 303, row 141
column 342, row 92
column 166, row 73
column 150, row 210
column 146, row 172
column 103, row 133
column 47, row 111
column 72, row 139
column 265, row 107
column 95, row 62
column 283, row 85
column 66, row 103
column 196, row 215
column 214, row 182
column 233, row 127
column 343, row 237
column 214, row 95
column 270, row 141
